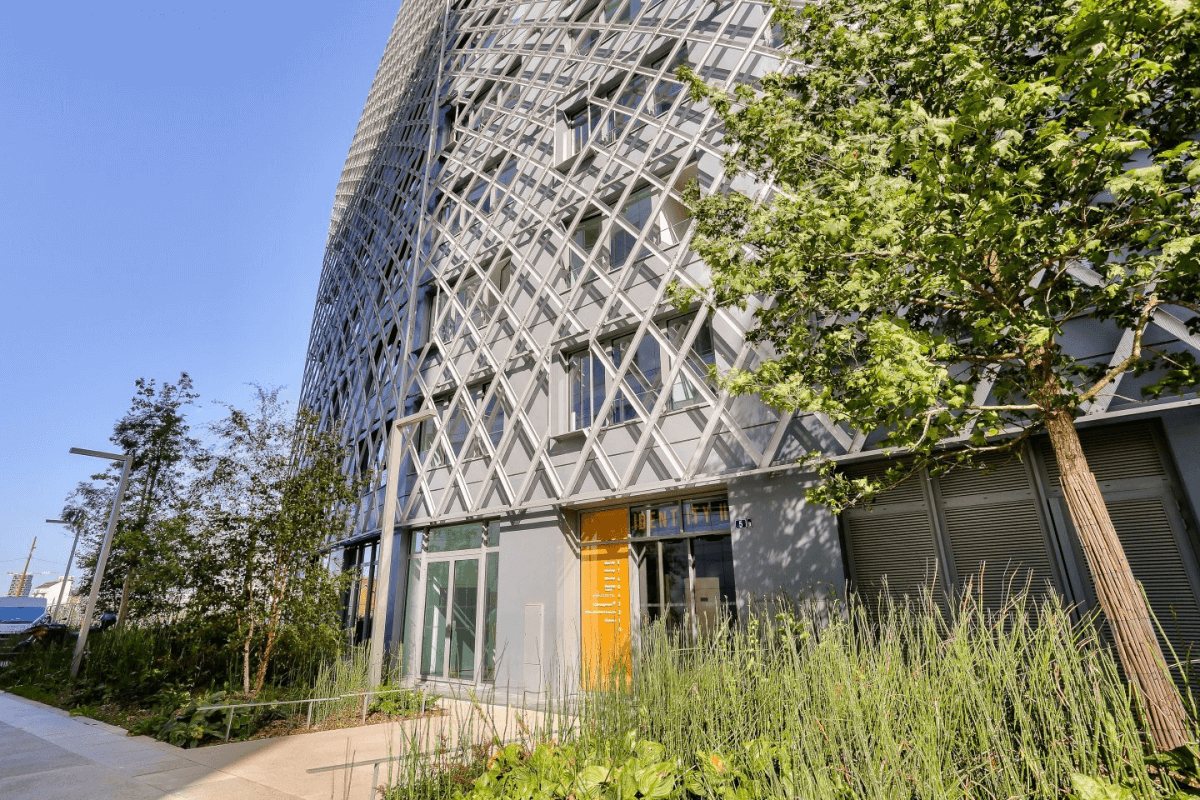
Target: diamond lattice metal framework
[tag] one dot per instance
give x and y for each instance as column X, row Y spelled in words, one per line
column 504, row 232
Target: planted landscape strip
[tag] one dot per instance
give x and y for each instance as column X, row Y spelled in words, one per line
column 896, row 698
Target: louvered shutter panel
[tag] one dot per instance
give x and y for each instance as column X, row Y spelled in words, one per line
column 891, row 543
column 996, row 533
column 1128, row 465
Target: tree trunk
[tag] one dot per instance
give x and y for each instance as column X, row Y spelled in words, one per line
column 1119, row 593
column 246, row 644
column 123, row 607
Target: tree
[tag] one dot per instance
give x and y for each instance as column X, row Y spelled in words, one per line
column 952, row 185
column 269, row 496
column 155, row 432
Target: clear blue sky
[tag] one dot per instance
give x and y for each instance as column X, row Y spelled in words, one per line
column 166, row 177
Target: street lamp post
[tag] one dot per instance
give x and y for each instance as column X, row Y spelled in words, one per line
column 85, row 622
column 62, row 588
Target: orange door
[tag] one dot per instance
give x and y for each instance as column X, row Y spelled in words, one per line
column 604, row 596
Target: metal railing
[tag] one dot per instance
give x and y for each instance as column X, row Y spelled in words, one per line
column 232, row 708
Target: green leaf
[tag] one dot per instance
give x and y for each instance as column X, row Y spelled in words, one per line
column 1088, row 788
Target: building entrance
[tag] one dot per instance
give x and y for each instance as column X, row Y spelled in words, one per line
column 451, row 632
column 452, row 596
column 674, row 557
column 604, row 595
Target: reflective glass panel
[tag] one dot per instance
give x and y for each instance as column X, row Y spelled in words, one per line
column 636, row 215
column 491, row 594
column 463, row 609
column 455, row 537
column 706, row 515
column 433, row 635
column 714, row 593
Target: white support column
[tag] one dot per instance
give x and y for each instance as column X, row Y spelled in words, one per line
column 387, row 536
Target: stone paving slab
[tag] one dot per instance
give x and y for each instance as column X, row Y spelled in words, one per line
column 45, row 752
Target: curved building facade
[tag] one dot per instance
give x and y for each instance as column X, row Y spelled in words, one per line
column 493, row 335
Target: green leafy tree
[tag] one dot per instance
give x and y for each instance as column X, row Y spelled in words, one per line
column 146, row 545
column 269, row 495
column 952, row 185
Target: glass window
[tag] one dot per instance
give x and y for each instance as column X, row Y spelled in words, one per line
column 580, row 125
column 636, row 215
column 659, row 520
column 713, row 596
column 456, row 427
column 706, row 515
column 667, row 88
column 427, row 434
column 358, row 602
column 586, row 381
column 446, row 317
column 621, row 10
column 643, row 379
column 463, row 620
column 454, row 537
column 585, row 236
column 495, row 415
column 686, row 582
column 633, row 92
column 490, row 606
column 433, row 637
column 479, row 196
column 700, row 356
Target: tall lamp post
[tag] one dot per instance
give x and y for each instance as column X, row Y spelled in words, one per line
column 85, row 622
column 62, row 587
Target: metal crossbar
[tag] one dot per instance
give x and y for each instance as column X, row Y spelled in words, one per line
column 232, row 708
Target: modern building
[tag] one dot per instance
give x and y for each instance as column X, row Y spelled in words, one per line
column 495, row 295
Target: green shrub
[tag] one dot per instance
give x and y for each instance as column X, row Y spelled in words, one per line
column 190, row 725
column 400, row 702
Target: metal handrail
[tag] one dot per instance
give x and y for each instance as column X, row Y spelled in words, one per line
column 230, row 708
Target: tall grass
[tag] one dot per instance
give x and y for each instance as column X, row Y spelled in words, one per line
column 899, row 700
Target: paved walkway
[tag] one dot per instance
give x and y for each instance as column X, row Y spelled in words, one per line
column 45, row 752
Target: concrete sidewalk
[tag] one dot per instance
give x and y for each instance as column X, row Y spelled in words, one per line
column 45, row 752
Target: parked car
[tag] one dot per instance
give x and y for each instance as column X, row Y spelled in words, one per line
column 19, row 615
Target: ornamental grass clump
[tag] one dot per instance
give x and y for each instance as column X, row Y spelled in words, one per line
column 904, row 698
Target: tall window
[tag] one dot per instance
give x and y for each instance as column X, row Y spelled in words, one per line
column 697, row 360
column 358, row 601
column 580, row 124
column 636, row 215
column 454, row 424
column 621, row 10
column 643, row 379
column 452, row 603
column 667, row 88
column 585, row 236
column 494, row 415
column 586, row 379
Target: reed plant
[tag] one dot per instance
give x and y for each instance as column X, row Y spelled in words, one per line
column 899, row 698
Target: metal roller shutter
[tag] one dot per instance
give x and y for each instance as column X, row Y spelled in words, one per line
column 891, row 543
column 996, row 532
